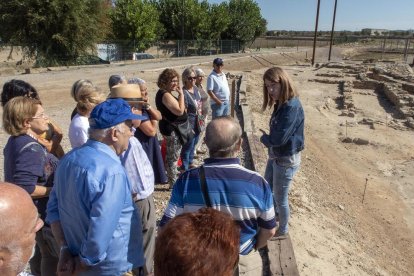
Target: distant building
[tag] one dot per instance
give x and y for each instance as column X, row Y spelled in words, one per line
column 374, row 32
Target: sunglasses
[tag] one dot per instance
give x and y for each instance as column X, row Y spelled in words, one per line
column 191, row 78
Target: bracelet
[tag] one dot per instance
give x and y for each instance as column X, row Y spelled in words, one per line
column 63, row 247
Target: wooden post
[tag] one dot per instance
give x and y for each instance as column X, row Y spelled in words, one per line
column 383, row 48
column 346, row 128
column 365, row 189
column 233, row 98
column 406, row 49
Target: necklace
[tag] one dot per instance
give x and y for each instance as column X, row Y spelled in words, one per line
column 31, row 135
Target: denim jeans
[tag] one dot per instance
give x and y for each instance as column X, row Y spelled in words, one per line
column 187, row 152
column 283, row 171
column 220, row 110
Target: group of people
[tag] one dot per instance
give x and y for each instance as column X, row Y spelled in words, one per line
column 95, row 203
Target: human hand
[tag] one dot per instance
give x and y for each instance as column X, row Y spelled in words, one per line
column 179, row 90
column 56, row 128
column 66, row 264
column 262, row 138
column 79, row 266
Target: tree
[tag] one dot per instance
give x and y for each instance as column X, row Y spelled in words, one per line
column 54, row 31
column 219, row 20
column 138, row 21
column 246, row 22
column 183, row 19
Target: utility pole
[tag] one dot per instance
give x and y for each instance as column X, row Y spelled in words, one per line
column 332, row 31
column 316, row 30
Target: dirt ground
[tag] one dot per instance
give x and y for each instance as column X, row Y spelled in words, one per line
column 332, row 230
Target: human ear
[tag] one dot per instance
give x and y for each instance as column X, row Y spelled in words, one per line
column 3, row 257
column 114, row 134
column 26, row 123
column 238, row 144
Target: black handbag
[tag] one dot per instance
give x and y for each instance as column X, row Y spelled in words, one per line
column 184, row 131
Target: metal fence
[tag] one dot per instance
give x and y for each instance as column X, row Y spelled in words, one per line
column 125, row 50
column 395, row 48
column 122, row 50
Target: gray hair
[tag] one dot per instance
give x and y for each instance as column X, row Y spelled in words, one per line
column 136, row 81
column 100, row 134
column 222, row 136
column 199, row 72
column 187, row 73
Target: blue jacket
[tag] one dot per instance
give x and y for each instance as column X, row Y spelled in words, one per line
column 286, row 129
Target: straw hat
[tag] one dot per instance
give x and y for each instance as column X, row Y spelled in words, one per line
column 128, row 92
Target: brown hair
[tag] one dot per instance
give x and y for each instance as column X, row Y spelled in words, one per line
column 16, row 112
column 287, row 89
column 201, row 243
column 166, row 77
column 88, row 97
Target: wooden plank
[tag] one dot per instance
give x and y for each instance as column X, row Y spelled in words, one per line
column 233, row 97
column 282, row 257
column 258, row 153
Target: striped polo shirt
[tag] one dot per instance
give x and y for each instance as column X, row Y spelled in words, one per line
column 234, row 190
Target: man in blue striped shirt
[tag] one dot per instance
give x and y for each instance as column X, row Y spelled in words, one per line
column 232, row 189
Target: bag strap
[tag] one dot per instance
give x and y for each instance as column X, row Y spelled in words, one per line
column 204, row 187
column 29, row 145
column 194, row 100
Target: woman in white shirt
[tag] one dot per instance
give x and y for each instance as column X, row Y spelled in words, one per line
column 88, row 97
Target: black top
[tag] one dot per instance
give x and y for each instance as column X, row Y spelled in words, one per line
column 167, row 116
column 152, row 148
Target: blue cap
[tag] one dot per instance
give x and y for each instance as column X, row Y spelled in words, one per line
column 218, row 61
column 111, row 113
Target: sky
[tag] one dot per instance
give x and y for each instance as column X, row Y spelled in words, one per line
column 351, row 15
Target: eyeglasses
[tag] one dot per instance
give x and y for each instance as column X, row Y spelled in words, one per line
column 174, row 81
column 41, row 116
column 191, row 78
column 135, row 106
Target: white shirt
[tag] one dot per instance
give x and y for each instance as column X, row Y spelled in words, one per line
column 78, row 131
column 138, row 169
column 219, row 85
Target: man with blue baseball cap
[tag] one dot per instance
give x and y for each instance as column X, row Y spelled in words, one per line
column 90, row 209
column 218, row 90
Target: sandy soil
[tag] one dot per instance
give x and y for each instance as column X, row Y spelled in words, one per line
column 333, row 231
